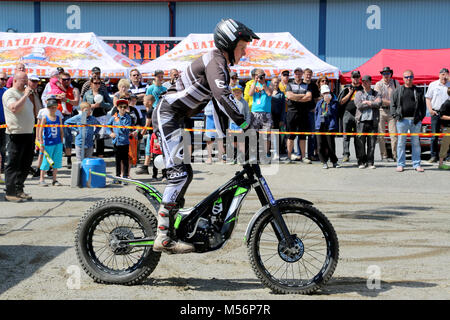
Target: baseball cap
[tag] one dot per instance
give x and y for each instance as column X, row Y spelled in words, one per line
column 52, row 102
column 356, row 74
column 444, row 70
column 366, row 78
column 298, row 69
column 122, row 101
column 237, row 87
column 233, row 74
column 324, row 88
column 159, row 72
column 285, row 71
column 95, row 70
column 60, row 69
column 34, row 77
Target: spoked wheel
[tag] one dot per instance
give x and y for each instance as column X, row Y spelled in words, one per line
column 100, row 241
column 306, row 265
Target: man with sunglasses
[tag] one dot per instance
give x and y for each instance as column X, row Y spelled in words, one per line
column 408, row 108
column 3, row 80
column 385, row 87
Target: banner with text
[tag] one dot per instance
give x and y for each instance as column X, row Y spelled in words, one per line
column 77, row 53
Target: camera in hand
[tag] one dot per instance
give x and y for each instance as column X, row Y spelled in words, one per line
column 261, row 77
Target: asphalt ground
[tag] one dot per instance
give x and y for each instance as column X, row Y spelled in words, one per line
column 393, row 231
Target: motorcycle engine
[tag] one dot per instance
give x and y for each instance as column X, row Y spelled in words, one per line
column 208, row 232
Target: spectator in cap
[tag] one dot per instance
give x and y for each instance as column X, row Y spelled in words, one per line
column 436, row 95
column 347, row 112
column 284, row 81
column 19, row 116
column 326, row 120
column 385, row 87
column 3, row 79
column 95, row 72
column 51, row 142
column 367, row 116
column 299, row 96
column 33, row 82
column 408, row 107
column 234, row 79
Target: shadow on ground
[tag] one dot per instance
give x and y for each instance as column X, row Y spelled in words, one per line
column 20, row 262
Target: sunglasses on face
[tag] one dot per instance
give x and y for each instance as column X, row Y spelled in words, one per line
column 65, row 79
column 135, row 75
column 386, row 73
column 408, row 77
column 4, row 79
column 96, row 82
column 324, row 81
column 122, row 106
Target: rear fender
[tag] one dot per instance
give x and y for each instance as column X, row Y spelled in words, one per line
column 262, row 210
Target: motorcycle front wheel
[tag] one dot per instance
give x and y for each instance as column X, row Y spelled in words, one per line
column 302, row 268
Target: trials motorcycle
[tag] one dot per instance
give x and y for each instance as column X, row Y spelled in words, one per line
column 292, row 246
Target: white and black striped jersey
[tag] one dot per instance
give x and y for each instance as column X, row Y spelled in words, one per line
column 205, row 79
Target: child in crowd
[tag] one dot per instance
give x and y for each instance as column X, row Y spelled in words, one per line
column 155, row 149
column 56, row 86
column 120, row 138
column 90, row 132
column 43, row 112
column 51, row 141
column 245, row 110
column 148, row 103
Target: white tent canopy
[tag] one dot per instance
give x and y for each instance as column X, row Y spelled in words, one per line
column 77, row 53
column 273, row 53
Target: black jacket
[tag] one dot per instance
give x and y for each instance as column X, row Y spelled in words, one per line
column 396, row 104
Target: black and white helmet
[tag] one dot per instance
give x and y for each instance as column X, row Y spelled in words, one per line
column 227, row 34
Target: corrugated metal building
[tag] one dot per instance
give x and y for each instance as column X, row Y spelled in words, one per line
column 345, row 33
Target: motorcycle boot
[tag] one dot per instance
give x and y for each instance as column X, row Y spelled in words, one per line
column 165, row 240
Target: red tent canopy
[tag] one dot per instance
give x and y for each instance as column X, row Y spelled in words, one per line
column 424, row 63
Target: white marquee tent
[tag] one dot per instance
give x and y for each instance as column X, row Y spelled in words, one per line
column 273, row 53
column 77, row 53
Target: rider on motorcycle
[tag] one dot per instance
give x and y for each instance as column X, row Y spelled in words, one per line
column 205, row 79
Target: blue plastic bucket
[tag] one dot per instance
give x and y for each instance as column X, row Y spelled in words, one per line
column 96, row 165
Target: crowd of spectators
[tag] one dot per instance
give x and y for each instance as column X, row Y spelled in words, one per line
column 292, row 102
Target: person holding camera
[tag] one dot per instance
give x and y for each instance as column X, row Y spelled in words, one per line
column 19, row 116
column 261, row 91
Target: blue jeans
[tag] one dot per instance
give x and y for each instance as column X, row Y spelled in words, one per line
column 403, row 126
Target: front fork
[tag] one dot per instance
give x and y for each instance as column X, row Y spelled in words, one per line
column 279, row 225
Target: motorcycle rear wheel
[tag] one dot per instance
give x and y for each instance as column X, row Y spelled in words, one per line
column 96, row 241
